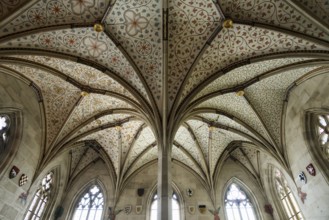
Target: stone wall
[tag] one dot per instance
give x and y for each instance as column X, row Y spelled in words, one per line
column 233, row 172
column 94, row 173
column 16, row 94
column 312, row 93
column 182, row 180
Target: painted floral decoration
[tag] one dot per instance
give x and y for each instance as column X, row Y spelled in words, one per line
column 134, row 22
column 94, row 47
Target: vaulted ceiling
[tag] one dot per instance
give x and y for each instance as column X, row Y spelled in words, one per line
column 221, row 90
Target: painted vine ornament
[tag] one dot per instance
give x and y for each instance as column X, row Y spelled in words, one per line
column 113, row 213
column 215, row 213
column 301, row 194
column 23, row 197
column 269, row 209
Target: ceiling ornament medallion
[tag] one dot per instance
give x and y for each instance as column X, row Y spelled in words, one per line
column 228, row 23
column 98, row 27
column 240, row 93
column 84, row 93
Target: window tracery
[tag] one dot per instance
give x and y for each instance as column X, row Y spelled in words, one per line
column 287, row 199
column 174, row 203
column 323, row 134
column 238, row 205
column 90, row 206
column 40, row 199
column 4, row 128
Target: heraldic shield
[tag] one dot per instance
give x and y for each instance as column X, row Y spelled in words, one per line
column 311, row 169
column 22, row 180
column 13, row 172
column 140, row 191
column 127, row 209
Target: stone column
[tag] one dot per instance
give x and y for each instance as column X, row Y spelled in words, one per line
column 164, row 185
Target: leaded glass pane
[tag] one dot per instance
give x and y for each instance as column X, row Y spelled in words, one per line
column 237, row 204
column 90, row 206
column 4, row 127
column 40, row 198
column 323, row 134
column 287, row 199
column 174, row 204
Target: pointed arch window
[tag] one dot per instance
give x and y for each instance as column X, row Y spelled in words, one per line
column 41, row 198
column 287, row 199
column 323, row 134
column 238, row 205
column 4, row 129
column 90, row 206
column 174, row 204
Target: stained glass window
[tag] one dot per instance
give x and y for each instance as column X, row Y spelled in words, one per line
column 323, row 134
column 174, row 204
column 91, row 205
column 287, row 199
column 4, row 127
column 238, row 205
column 40, row 199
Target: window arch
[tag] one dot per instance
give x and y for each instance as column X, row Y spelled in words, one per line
column 175, row 204
column 237, row 204
column 286, row 197
column 317, row 134
column 90, row 205
column 322, row 133
column 10, row 135
column 4, row 128
column 41, row 198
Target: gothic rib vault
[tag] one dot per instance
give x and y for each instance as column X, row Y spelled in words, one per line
column 163, row 74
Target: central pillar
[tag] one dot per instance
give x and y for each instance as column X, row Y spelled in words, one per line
column 164, row 185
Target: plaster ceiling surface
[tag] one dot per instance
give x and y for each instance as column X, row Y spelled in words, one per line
column 186, row 140
column 241, row 156
column 268, row 95
column 75, row 156
column 150, row 155
column 82, row 43
column 199, row 129
column 245, row 73
column 252, row 152
column 99, row 122
column 182, row 157
column 242, row 42
column 220, row 139
column 159, row 61
column 273, row 12
column 190, row 25
column 59, row 97
column 320, row 8
column 83, row 74
column 238, row 107
column 136, row 25
column 228, row 122
column 55, row 12
column 144, row 139
column 129, row 133
column 88, row 107
column 88, row 156
column 109, row 140
column 9, row 6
